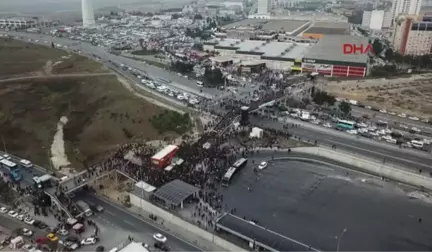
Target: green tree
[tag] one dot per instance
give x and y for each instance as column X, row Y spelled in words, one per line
column 345, row 107
column 377, row 47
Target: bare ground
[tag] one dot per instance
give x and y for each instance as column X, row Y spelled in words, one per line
column 411, row 96
column 102, row 114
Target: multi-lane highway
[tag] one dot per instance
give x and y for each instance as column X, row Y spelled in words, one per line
column 391, row 119
column 380, row 151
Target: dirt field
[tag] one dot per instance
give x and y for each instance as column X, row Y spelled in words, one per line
column 101, row 113
column 411, row 96
column 19, row 58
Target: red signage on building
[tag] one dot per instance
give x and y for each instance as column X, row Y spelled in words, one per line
column 357, row 49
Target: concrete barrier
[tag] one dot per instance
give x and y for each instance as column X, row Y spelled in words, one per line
column 169, row 217
column 372, row 167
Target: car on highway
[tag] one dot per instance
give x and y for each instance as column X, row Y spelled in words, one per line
column 29, row 221
column 28, row 248
column 402, row 115
column 162, row 246
column 13, row 214
column 159, row 237
column 4, row 210
column 52, row 237
column 413, row 118
column 262, row 165
column 89, row 241
column 26, row 232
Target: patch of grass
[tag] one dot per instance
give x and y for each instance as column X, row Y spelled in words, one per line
column 102, row 114
column 18, row 57
column 77, row 64
column 171, row 121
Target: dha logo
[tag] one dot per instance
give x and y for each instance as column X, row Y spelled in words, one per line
column 357, row 49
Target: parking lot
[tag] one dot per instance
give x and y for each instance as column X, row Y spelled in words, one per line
column 313, row 204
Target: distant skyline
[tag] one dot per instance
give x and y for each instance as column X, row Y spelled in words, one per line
column 44, row 6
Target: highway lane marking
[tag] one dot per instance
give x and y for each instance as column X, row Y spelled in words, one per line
column 148, row 223
column 110, row 213
column 128, row 222
column 376, row 152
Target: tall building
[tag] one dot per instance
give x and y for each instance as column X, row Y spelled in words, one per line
column 264, row 6
column 87, row 13
column 409, row 7
column 412, row 37
column 376, row 19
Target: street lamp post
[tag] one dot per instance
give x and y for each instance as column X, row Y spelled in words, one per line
column 340, row 238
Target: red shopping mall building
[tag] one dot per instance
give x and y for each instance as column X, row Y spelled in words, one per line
column 327, row 57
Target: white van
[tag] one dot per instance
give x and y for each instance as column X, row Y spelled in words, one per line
column 417, row 144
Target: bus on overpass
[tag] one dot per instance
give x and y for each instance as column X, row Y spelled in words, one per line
column 12, row 169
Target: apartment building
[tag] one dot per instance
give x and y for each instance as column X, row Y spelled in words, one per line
column 377, row 19
column 406, row 7
column 411, row 36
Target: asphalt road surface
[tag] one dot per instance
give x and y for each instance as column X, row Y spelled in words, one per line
column 366, row 147
column 391, row 119
column 313, row 203
column 121, row 219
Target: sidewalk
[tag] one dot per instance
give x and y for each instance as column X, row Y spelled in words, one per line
column 164, row 224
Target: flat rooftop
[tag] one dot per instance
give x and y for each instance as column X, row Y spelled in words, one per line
column 329, row 28
column 270, row 50
column 266, row 24
column 264, row 236
column 134, row 247
column 330, row 48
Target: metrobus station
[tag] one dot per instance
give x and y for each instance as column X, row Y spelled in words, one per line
column 258, row 237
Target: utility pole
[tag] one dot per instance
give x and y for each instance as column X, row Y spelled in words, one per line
column 339, row 238
column 4, row 145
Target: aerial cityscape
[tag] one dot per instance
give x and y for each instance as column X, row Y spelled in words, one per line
column 229, row 125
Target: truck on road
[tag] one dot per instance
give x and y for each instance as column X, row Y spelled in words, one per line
column 85, row 208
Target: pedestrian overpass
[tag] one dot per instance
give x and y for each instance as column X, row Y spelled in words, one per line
column 85, row 178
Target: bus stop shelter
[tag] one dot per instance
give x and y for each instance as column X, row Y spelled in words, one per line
column 258, row 236
column 174, row 193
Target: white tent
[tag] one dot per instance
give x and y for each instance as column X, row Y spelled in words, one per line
column 256, row 133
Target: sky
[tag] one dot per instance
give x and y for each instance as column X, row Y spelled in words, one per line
column 40, row 6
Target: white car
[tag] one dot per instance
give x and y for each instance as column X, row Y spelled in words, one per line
column 403, row 126
column 6, row 156
column 392, row 113
column 12, row 213
column 63, row 232
column 327, row 125
column 3, row 210
column 352, row 132
column 180, row 97
column 28, row 248
column 20, row 217
column 402, row 115
column 27, row 232
column 159, row 237
column 29, row 221
column 383, row 111
column 262, row 165
column 413, row 118
column 89, row 241
column 139, row 77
